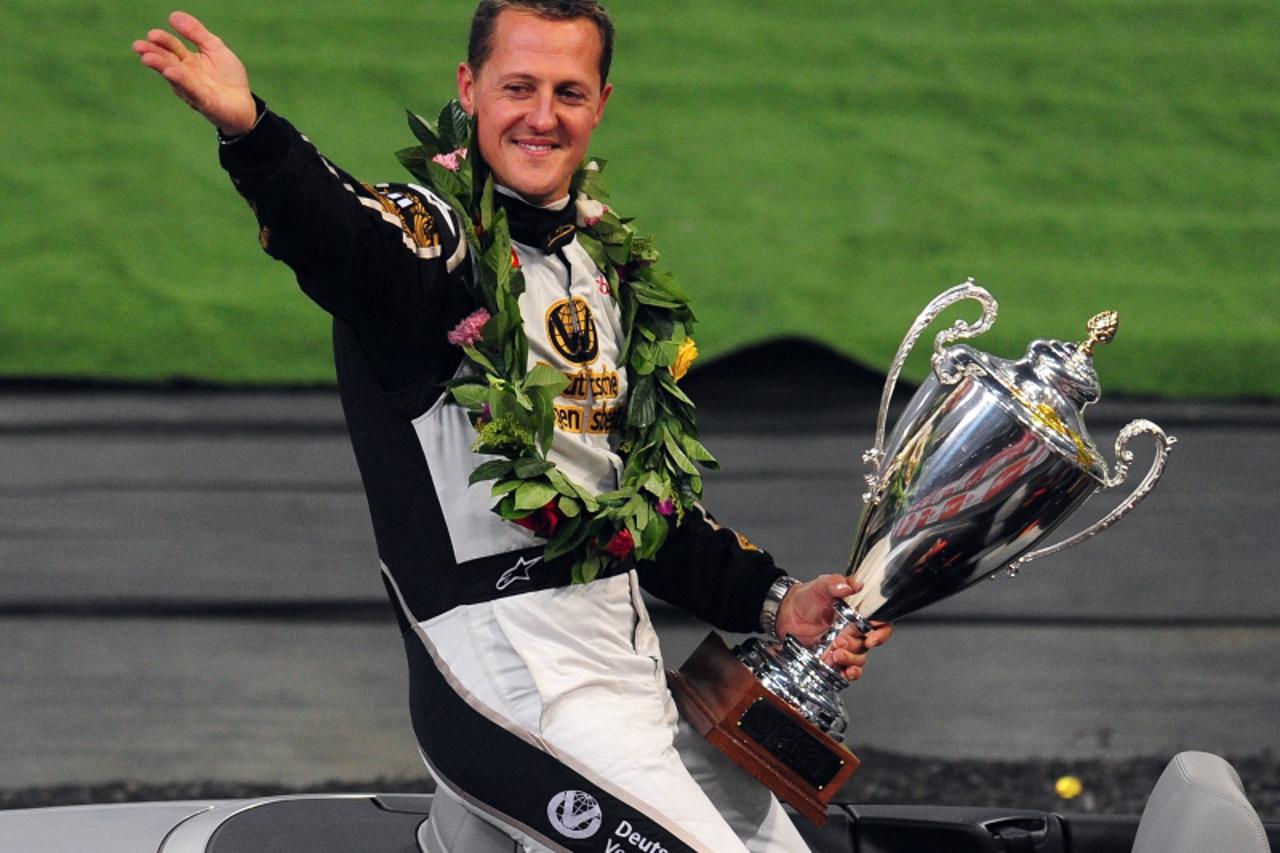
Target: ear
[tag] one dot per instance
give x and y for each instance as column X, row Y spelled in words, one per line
column 604, row 99
column 466, row 86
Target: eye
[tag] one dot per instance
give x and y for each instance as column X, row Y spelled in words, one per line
column 573, row 96
column 518, row 90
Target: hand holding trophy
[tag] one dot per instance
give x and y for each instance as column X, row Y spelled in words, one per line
column 987, row 459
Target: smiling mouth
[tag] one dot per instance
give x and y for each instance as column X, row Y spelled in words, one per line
column 536, row 147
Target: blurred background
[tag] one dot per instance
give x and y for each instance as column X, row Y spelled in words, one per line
column 188, row 585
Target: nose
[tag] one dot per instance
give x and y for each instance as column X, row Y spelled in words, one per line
column 542, row 113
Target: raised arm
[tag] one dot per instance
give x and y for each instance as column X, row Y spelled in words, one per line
column 382, row 259
column 209, row 78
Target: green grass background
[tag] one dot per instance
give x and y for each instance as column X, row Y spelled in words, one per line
column 816, row 168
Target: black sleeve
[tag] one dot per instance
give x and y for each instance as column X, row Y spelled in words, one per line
column 387, row 260
column 712, row 572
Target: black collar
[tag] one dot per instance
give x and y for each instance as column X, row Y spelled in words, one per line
column 539, row 227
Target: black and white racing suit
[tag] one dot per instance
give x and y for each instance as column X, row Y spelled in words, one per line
column 538, row 703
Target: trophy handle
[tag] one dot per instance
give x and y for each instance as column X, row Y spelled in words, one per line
column 959, row 330
column 1124, row 457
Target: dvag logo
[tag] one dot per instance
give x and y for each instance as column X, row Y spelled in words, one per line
column 572, row 330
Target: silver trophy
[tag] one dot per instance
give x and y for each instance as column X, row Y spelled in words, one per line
column 988, row 458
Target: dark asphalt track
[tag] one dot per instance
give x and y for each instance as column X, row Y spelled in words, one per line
column 190, row 592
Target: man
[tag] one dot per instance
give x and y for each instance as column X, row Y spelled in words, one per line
column 540, row 705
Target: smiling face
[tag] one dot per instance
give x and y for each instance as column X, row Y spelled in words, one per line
column 537, row 99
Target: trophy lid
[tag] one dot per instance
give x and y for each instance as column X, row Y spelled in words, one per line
column 1049, row 389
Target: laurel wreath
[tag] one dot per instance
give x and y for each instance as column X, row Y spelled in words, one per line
column 512, row 407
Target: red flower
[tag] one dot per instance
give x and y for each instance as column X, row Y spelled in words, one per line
column 515, row 260
column 542, row 522
column 621, row 544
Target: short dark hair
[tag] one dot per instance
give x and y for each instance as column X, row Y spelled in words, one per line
column 481, row 43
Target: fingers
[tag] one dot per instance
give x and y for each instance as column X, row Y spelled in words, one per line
column 852, row 640
column 155, row 57
column 848, row 663
column 166, row 40
column 838, row 586
column 879, row 636
column 190, row 28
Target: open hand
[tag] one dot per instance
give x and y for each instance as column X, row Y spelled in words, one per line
column 210, row 78
column 806, row 613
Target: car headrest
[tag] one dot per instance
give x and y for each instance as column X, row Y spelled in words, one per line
column 1198, row 804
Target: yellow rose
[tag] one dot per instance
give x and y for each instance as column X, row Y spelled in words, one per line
column 684, row 358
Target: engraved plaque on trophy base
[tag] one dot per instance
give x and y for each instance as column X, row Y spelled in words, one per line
column 764, row 735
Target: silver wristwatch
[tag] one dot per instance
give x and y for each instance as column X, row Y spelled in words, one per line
column 772, row 601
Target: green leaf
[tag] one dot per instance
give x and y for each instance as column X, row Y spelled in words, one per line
column 426, row 133
column 652, row 483
column 591, row 181
column 569, row 535
column 588, row 570
column 497, row 257
column 415, row 160
column 677, row 455
column 527, row 468
column 486, row 204
column 544, row 375
column 695, row 450
column 588, row 499
column 533, row 494
column 568, row 507
column 671, row 387
column 561, row 482
column 504, row 487
column 455, row 125
column 491, row 470
column 523, row 400
column 642, row 513
column 643, row 249
column 652, row 536
column 503, row 405
column 470, row 395
column 445, row 181
column 643, row 406
column 507, row 509
column 479, row 358
column 651, row 296
column 544, row 415
column 594, row 250
column 665, row 283
column 618, row 253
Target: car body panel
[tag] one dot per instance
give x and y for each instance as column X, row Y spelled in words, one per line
column 389, row 823
column 116, row 828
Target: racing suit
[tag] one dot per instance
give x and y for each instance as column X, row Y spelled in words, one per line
column 537, row 703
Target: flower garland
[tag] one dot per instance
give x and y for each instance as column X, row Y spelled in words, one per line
column 512, row 407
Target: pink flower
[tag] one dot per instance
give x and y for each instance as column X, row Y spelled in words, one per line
column 666, row 507
column 590, row 211
column 451, row 161
column 469, row 331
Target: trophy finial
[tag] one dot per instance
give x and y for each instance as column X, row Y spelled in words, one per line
column 1102, row 330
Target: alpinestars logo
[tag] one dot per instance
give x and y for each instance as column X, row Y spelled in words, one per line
column 518, row 572
column 575, row 814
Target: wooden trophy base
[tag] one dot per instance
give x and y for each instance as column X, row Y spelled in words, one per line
column 764, row 735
